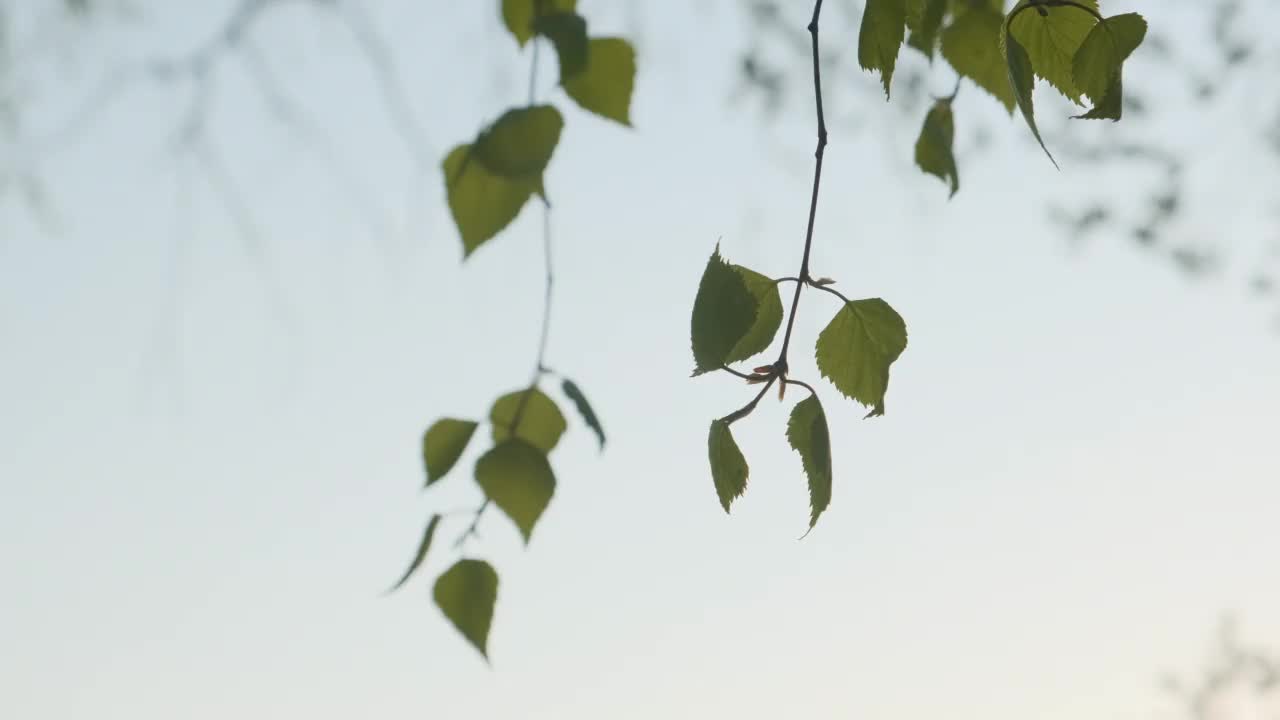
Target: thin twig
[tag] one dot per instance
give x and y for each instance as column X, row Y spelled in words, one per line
column 399, row 108
column 750, row 407
column 473, row 530
column 540, row 366
column 803, row 275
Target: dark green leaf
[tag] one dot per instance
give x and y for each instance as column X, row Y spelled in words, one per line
column 857, row 347
column 1052, row 39
column 584, row 409
column 541, row 423
column 518, row 479
column 1023, row 82
column 421, row 555
column 519, row 15
column 925, row 21
column 728, row 467
column 723, row 313
column 933, row 149
column 567, row 31
column 972, row 45
column 443, row 444
column 521, row 142
column 1098, row 65
column 807, row 433
column 768, row 315
column 481, row 202
column 604, row 87
column 466, row 594
column 883, row 28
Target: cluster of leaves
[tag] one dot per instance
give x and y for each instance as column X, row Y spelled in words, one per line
column 515, row 475
column 737, row 311
column 1066, row 43
column 489, row 181
column 736, row 315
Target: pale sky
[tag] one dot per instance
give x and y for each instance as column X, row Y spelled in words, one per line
column 209, row 470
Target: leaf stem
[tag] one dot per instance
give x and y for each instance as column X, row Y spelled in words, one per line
column 833, row 291
column 472, row 529
column 731, row 371
column 803, row 275
column 804, row 385
column 750, row 407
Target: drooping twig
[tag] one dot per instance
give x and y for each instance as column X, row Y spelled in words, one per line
column 540, row 366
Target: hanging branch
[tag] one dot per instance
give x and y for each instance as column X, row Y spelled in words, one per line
column 780, row 366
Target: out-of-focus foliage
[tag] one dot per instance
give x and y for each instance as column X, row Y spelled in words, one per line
column 1203, row 63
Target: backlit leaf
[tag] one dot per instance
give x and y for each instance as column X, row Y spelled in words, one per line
column 1052, row 39
column 521, row 142
column 481, row 202
column 584, row 409
column 883, row 29
column 541, row 423
column 768, row 315
column 728, row 467
column 972, row 45
column 857, row 347
column 808, row 435
column 567, row 31
column 518, row 479
column 723, row 313
column 604, row 87
column 519, row 15
column 443, row 444
column 924, row 19
column 1022, row 80
column 1098, row 65
column 466, row 594
column 421, row 555
column 933, row 148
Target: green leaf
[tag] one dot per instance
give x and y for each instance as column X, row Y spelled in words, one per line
column 768, row 315
column 421, row 555
column 1023, row 81
column 482, row 203
column 723, row 313
column 518, row 479
column 519, row 15
column 443, row 444
column 883, row 28
column 925, row 20
column 728, row 467
column 807, row 433
column 604, row 87
column 567, row 31
column 857, row 347
column 541, row 423
column 971, row 44
column 1052, row 39
column 584, row 409
column 466, row 593
column 933, row 149
column 521, row 142
column 1099, row 63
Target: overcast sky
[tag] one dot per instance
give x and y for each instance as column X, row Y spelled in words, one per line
column 209, row 466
